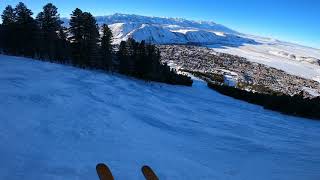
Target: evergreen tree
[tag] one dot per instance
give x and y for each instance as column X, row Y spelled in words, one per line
column 76, row 32
column 49, row 23
column 26, row 32
column 91, row 40
column 84, row 38
column 144, row 61
column 141, row 61
column 131, row 50
column 153, row 62
column 8, row 30
column 63, row 50
column 106, row 48
column 123, row 58
column 8, row 16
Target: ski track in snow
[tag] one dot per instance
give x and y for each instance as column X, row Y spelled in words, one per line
column 58, row 122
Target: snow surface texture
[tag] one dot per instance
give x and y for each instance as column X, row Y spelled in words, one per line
column 58, row 122
column 292, row 58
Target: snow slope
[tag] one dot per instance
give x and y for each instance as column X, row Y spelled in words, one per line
column 58, row 122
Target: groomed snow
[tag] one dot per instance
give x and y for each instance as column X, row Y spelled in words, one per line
column 58, row 122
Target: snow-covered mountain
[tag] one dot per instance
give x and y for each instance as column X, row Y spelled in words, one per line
column 292, row 58
column 165, row 30
column 169, row 30
column 58, row 122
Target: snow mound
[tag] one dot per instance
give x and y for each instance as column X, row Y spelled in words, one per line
column 58, row 122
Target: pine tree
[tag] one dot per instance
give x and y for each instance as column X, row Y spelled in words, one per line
column 49, row 23
column 142, row 61
column 106, row 48
column 8, row 16
column 76, row 32
column 26, row 31
column 131, row 49
column 8, row 30
column 123, row 58
column 152, row 64
column 84, row 38
column 91, row 39
column 63, row 49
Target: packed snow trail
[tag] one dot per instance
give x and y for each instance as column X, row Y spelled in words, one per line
column 58, row 122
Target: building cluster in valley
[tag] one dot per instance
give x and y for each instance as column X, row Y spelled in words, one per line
column 235, row 71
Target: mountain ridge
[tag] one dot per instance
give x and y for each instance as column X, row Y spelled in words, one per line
column 200, row 24
column 293, row 58
column 168, row 29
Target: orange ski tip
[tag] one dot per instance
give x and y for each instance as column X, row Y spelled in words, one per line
column 104, row 172
column 149, row 173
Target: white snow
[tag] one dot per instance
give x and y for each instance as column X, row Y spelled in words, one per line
column 58, row 122
column 184, row 31
column 220, row 33
column 311, row 91
column 291, row 58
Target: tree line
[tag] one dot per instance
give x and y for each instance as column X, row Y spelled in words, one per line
column 83, row 44
column 295, row 105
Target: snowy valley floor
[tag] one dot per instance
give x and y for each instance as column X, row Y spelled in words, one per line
column 58, row 122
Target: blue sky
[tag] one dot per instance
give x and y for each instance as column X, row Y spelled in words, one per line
column 291, row 20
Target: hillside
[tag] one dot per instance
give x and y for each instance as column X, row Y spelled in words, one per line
column 58, row 122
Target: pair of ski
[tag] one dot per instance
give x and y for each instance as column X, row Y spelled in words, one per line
column 104, row 172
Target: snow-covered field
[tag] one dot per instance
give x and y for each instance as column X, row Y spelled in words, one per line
column 292, row 58
column 58, row 122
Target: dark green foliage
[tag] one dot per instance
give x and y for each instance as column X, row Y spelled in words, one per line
column 106, row 48
column 26, row 31
column 8, row 16
column 293, row 105
column 75, row 39
column 84, row 39
column 143, row 61
column 123, row 58
column 8, row 30
column 62, row 46
column 50, row 24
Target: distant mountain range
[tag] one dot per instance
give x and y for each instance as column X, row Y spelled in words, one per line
column 292, row 58
column 168, row 30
